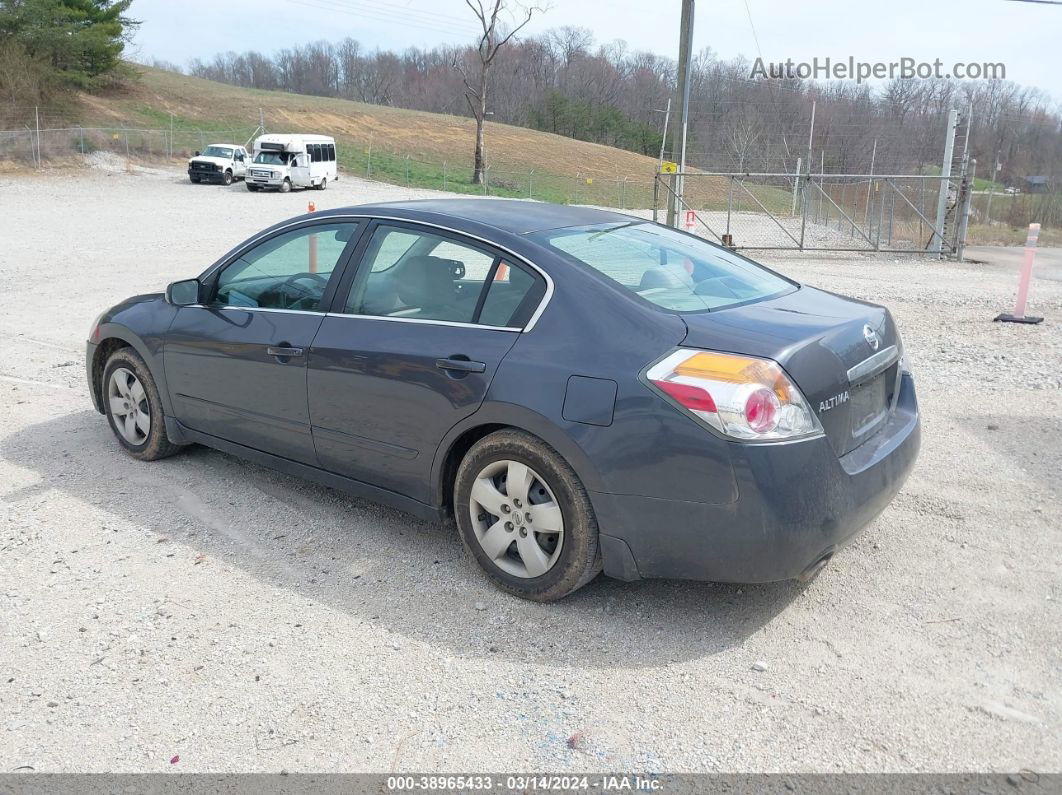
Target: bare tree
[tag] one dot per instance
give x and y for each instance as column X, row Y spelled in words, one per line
column 490, row 43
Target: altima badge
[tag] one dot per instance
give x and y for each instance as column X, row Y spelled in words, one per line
column 872, row 338
column 836, row 400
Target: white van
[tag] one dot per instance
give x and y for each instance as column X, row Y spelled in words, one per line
column 283, row 162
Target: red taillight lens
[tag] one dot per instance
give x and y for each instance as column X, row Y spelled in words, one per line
column 761, row 410
column 692, row 397
column 743, row 397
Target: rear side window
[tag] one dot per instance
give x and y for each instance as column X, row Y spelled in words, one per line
column 671, row 270
column 417, row 275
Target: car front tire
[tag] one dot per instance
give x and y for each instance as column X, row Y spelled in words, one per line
column 525, row 517
column 226, row 178
column 194, row 180
column 285, row 186
column 134, row 410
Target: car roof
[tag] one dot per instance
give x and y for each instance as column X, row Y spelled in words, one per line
column 516, row 216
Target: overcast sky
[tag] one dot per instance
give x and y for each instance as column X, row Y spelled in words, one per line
column 1024, row 36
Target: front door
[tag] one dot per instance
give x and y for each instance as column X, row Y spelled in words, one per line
column 300, row 170
column 411, row 350
column 236, row 366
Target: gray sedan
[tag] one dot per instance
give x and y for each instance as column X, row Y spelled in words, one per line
column 583, row 391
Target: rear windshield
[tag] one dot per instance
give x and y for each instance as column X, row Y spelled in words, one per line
column 672, row 270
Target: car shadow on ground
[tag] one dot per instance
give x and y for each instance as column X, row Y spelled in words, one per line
column 377, row 565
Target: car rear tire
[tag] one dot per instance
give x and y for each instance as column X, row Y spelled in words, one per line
column 285, row 186
column 133, row 407
column 525, row 517
column 226, row 178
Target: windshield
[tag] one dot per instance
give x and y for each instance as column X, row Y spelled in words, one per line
column 272, row 158
column 224, row 152
column 670, row 269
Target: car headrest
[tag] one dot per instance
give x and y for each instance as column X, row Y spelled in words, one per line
column 655, row 278
column 425, row 281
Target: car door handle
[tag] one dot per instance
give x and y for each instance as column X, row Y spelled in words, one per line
column 282, row 351
column 460, row 365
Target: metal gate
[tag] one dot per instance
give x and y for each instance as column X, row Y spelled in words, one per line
column 818, row 212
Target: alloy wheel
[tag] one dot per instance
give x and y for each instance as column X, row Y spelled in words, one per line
column 129, row 406
column 516, row 518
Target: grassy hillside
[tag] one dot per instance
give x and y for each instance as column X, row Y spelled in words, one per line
column 391, row 144
column 427, row 150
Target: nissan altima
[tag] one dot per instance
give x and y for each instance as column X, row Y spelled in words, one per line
column 581, row 390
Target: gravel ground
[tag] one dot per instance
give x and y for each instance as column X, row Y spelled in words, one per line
column 205, row 609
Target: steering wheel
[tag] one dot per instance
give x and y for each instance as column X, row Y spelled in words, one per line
column 322, row 280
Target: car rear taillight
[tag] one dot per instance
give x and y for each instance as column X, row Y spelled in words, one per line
column 740, row 396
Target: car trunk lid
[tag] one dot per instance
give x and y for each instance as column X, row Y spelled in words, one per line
column 825, row 343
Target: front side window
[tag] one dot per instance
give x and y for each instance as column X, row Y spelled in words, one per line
column 223, row 152
column 406, row 273
column 674, row 271
column 289, row 271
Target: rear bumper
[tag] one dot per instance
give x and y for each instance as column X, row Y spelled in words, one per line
column 797, row 503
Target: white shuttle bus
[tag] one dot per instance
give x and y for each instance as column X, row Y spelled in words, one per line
column 283, row 162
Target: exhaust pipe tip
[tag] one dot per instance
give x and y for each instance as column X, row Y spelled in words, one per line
column 815, row 569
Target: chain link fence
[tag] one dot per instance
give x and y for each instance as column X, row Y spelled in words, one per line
column 818, row 212
column 56, row 144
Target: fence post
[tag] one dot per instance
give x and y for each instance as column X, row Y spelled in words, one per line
column 81, row 134
column 729, row 203
column 967, row 200
column 530, row 177
column 804, row 209
column 407, row 172
column 623, row 194
column 126, row 131
column 939, row 243
column 656, row 197
column 37, row 119
column 796, row 187
column 444, row 175
column 486, row 187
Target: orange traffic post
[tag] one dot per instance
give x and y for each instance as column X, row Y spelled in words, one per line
column 313, row 244
column 1019, row 315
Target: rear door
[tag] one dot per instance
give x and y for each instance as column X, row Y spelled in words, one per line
column 236, row 366
column 417, row 331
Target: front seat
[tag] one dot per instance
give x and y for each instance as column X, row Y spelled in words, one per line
column 426, row 287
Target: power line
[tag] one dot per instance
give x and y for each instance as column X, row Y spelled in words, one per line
column 752, row 25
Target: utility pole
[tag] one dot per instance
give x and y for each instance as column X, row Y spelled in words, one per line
column 992, row 187
column 663, row 137
column 679, row 143
column 945, row 179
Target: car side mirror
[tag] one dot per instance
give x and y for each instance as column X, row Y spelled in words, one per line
column 184, row 293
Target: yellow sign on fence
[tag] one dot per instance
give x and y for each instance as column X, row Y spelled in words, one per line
column 667, row 167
